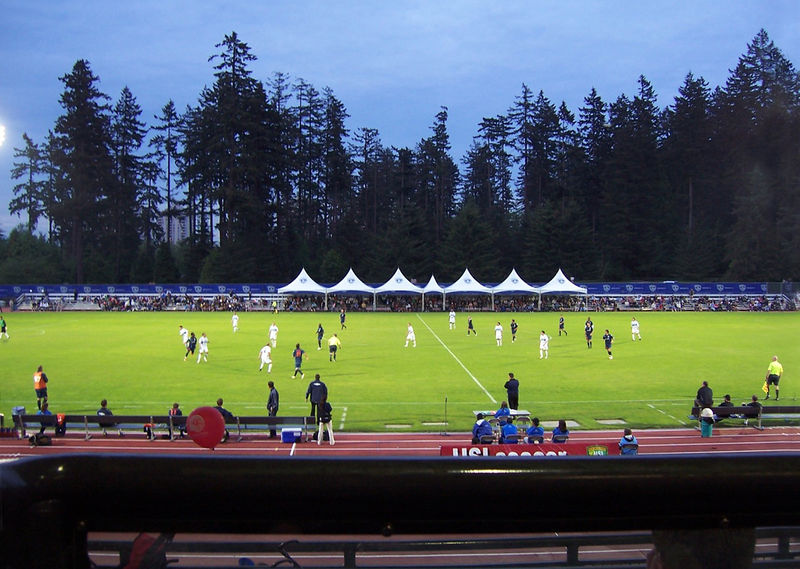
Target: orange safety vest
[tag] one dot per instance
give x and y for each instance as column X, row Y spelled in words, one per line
column 38, row 381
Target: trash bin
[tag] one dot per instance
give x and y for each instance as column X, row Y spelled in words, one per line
column 706, row 422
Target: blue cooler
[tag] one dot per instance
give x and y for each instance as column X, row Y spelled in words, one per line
column 291, row 435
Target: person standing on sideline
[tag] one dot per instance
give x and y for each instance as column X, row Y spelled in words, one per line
column 334, row 344
column 513, row 327
column 3, row 330
column 774, row 373
column 191, row 343
column 635, row 329
column 298, row 354
column 203, row 351
column 342, row 318
column 325, row 420
column 320, row 335
column 470, row 326
column 561, row 325
column 410, row 336
column 512, row 390
column 608, row 339
column 184, row 333
column 272, row 407
column 498, row 334
column 452, row 318
column 273, row 334
column 544, row 345
column 705, row 396
column 588, row 330
column 317, row 392
column 265, row 355
column 235, row 322
column 40, row 386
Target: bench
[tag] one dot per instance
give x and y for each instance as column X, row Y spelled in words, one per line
column 172, row 423
column 779, row 412
column 744, row 412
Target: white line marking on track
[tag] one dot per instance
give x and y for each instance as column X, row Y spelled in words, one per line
column 469, row 373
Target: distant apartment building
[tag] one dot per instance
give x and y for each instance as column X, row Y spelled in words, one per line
column 179, row 228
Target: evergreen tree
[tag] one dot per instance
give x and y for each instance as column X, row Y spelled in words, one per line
column 165, row 148
column 84, row 160
column 30, row 191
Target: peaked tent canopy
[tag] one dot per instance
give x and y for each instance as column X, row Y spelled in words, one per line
column 560, row 284
column 433, row 287
column 466, row 284
column 350, row 284
column 398, row 284
column 302, row 284
column 514, row 285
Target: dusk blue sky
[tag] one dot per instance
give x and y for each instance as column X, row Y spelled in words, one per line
column 392, row 64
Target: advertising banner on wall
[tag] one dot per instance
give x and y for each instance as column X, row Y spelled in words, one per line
column 544, row 450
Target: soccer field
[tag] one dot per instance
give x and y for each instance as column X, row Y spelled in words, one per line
column 135, row 360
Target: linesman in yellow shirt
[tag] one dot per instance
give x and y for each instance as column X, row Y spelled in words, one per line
column 333, row 346
column 774, row 373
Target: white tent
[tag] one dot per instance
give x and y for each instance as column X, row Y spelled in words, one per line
column 466, row 284
column 302, row 284
column 514, row 285
column 560, row 284
column 398, row 284
column 432, row 288
column 350, row 284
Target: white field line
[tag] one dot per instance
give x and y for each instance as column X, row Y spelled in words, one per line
column 343, row 417
column 673, row 417
column 469, row 373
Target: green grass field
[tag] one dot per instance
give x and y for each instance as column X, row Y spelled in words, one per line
column 135, row 360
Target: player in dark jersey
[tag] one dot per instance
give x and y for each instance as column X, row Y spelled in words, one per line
column 608, row 339
column 588, row 329
column 191, row 344
column 561, row 325
column 514, row 327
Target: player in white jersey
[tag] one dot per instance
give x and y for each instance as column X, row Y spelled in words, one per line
column 635, row 329
column 273, row 334
column 544, row 345
column 410, row 336
column 235, row 322
column 202, row 352
column 498, row 334
column 452, row 319
column 265, row 355
column 184, row 335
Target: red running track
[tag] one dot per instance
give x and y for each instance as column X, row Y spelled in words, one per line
column 657, row 441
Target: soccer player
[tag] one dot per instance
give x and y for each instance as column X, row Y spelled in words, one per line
column 298, row 354
column 498, row 334
column 470, row 327
column 184, row 335
column 3, row 331
column 342, row 317
column 588, row 330
column 774, row 373
column 320, row 335
column 410, row 336
column 561, row 325
column 514, row 327
column 265, row 355
column 40, row 386
column 334, row 343
column 635, row 329
column 191, row 343
column 203, row 351
column 544, row 345
column 452, row 319
column 608, row 339
column 235, row 322
column 273, row 334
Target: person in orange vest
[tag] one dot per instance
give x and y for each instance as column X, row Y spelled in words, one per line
column 40, row 386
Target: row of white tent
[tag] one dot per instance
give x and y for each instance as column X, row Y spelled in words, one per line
column 399, row 284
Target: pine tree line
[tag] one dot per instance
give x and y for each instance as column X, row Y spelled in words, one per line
column 269, row 179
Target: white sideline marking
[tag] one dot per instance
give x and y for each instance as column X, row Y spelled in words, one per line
column 673, row 417
column 344, row 416
column 469, row 373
